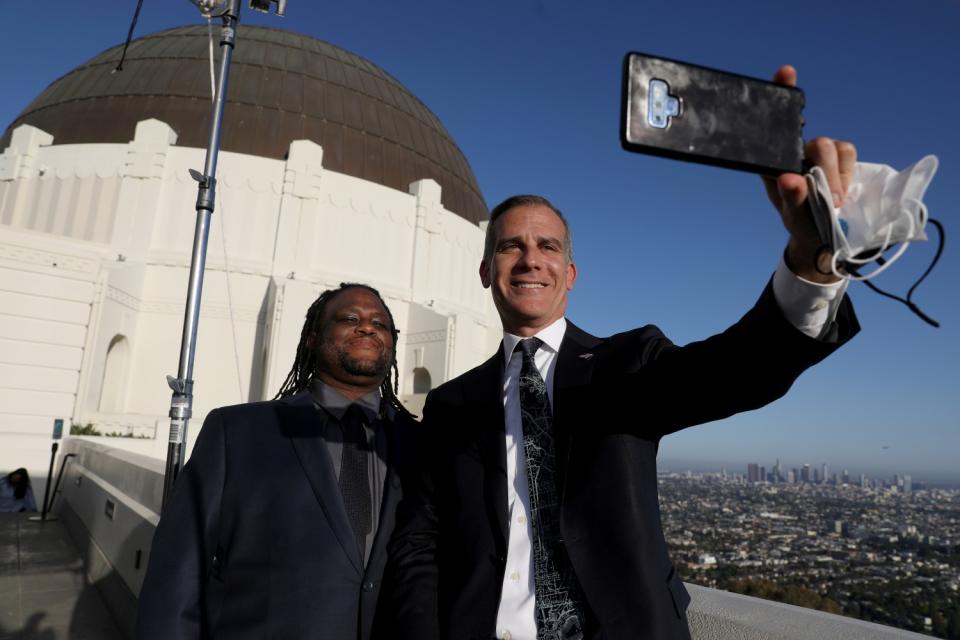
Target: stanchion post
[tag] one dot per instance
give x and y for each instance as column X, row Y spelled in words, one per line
column 46, row 491
column 57, row 434
column 56, row 487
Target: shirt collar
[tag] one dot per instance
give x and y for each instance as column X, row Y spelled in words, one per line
column 336, row 404
column 552, row 336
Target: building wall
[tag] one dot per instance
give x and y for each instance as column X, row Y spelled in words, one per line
column 95, row 245
column 47, row 289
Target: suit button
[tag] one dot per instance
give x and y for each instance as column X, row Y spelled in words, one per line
column 368, row 586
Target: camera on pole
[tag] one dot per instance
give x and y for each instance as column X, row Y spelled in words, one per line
column 263, row 6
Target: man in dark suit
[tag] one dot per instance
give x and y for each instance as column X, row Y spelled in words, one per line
column 535, row 512
column 278, row 525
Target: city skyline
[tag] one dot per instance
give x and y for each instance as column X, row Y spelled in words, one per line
column 740, row 468
column 531, row 94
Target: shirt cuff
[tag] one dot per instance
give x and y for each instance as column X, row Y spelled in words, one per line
column 809, row 306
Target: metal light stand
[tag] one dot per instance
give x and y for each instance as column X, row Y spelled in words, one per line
column 181, row 403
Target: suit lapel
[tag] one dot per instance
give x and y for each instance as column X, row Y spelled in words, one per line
column 303, row 424
column 484, row 403
column 574, row 369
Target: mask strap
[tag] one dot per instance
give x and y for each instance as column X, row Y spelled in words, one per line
column 878, row 257
column 907, row 301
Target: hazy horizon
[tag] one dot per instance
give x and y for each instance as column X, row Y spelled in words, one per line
column 701, row 465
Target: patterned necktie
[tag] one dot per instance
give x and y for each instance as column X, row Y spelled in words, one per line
column 559, row 602
column 354, row 478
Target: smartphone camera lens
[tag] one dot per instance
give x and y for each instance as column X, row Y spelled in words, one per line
column 660, row 104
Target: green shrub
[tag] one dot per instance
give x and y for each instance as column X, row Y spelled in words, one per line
column 84, row 430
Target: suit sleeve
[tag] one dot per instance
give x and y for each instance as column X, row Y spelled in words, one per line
column 412, row 578
column 171, row 603
column 746, row 367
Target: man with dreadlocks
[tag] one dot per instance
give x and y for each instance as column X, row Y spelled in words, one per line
column 278, row 524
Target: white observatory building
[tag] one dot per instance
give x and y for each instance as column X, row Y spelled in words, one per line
column 330, row 171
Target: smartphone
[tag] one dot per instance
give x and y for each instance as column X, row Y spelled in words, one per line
column 693, row 113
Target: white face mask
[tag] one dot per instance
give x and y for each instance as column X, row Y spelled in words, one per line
column 882, row 208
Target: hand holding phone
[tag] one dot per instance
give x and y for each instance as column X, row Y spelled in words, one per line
column 689, row 112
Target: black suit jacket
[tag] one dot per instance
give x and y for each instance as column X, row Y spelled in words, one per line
column 255, row 541
column 614, row 398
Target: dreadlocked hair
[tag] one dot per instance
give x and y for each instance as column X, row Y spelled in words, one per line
column 305, row 363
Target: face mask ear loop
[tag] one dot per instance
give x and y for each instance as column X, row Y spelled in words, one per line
column 908, row 300
column 878, row 256
column 883, row 247
column 922, row 212
column 933, row 263
column 840, row 244
column 833, row 267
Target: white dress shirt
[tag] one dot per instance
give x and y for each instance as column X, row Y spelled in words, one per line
column 809, row 306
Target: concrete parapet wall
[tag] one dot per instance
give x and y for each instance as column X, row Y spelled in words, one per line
column 110, row 502
column 721, row 615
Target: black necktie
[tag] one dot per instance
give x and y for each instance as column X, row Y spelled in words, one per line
column 354, row 477
column 559, row 602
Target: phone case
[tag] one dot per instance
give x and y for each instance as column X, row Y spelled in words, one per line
column 689, row 112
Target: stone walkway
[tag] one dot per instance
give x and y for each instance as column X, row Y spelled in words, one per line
column 44, row 594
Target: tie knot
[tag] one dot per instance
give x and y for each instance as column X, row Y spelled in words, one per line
column 529, row 346
column 352, row 424
column 354, row 414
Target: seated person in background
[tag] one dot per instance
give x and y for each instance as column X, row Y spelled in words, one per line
column 16, row 494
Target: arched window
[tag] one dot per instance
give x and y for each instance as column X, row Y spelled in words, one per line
column 113, row 390
column 421, row 380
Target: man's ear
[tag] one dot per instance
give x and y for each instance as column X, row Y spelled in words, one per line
column 571, row 275
column 485, row 274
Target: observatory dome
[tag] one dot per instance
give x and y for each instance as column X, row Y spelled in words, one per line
column 331, row 172
column 283, row 86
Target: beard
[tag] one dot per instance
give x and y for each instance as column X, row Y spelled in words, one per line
column 363, row 367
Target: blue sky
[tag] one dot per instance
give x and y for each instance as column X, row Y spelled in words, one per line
column 531, row 90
